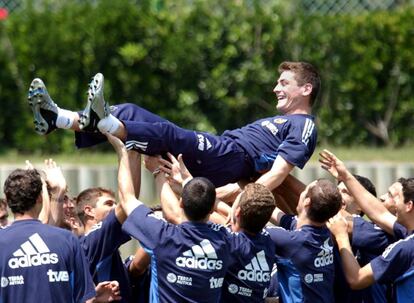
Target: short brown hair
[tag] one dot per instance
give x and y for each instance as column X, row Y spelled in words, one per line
column 304, row 73
column 325, row 199
column 89, row 197
column 407, row 189
column 22, row 188
column 256, row 206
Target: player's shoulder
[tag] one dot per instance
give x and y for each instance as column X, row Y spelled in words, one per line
column 401, row 247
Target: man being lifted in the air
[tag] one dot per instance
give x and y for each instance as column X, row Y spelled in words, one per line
column 268, row 148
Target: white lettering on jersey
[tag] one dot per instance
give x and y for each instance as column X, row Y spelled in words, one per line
column 325, row 256
column 270, row 126
column 257, row 270
column 33, row 252
column 58, row 276
column 11, row 281
column 216, row 282
column 201, row 256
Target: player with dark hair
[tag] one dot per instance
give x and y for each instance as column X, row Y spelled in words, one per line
column 190, row 259
column 396, row 262
column 38, row 262
column 269, row 148
column 304, row 246
column 248, row 278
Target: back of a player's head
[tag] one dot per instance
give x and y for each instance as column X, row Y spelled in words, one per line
column 407, row 189
column 304, row 73
column 325, row 199
column 198, row 198
column 22, row 188
column 89, row 197
column 256, row 206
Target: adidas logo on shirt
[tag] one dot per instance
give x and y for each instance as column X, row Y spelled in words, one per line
column 257, row 270
column 201, row 256
column 325, row 256
column 33, row 252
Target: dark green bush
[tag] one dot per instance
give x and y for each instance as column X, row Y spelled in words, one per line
column 208, row 65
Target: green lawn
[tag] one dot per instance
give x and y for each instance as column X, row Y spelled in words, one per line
column 404, row 154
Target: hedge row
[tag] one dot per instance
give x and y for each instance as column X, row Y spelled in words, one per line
column 209, row 65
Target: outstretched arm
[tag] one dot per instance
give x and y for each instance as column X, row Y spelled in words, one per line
column 356, row 276
column 169, row 201
column 275, row 176
column 369, row 204
column 139, row 263
column 56, row 190
column 126, row 190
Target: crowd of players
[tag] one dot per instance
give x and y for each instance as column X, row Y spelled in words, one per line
column 274, row 240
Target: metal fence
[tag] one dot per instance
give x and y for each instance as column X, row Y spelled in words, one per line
column 82, row 177
column 311, row 6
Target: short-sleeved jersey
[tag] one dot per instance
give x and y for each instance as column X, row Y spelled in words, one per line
column 397, row 259
column 188, row 261
column 309, row 251
column 293, row 137
column 248, row 279
column 369, row 240
column 42, row 263
column 101, row 245
column 400, row 232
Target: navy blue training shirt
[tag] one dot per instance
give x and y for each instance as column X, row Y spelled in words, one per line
column 101, row 245
column 42, row 263
column 293, row 137
column 309, row 252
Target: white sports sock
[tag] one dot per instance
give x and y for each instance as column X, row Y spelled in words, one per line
column 109, row 124
column 65, row 118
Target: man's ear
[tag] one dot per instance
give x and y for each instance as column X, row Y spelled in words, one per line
column 89, row 211
column 409, row 206
column 307, row 89
column 307, row 202
column 181, row 203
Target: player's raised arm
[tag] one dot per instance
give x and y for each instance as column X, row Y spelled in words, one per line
column 171, row 210
column 369, row 204
column 356, row 276
column 126, row 190
column 275, row 176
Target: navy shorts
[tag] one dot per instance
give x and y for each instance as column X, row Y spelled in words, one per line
column 217, row 158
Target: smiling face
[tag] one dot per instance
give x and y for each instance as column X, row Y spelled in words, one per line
column 391, row 197
column 290, row 96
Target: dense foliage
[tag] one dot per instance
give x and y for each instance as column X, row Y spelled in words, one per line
column 208, row 65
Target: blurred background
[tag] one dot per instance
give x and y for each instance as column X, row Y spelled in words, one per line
column 211, row 65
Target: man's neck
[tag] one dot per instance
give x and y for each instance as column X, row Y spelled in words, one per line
column 299, row 111
column 306, row 221
column 88, row 225
column 26, row 216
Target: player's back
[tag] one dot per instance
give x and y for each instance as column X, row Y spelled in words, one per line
column 248, row 278
column 308, row 251
column 188, row 261
column 42, row 263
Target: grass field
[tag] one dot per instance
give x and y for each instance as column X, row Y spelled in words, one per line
column 404, row 154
